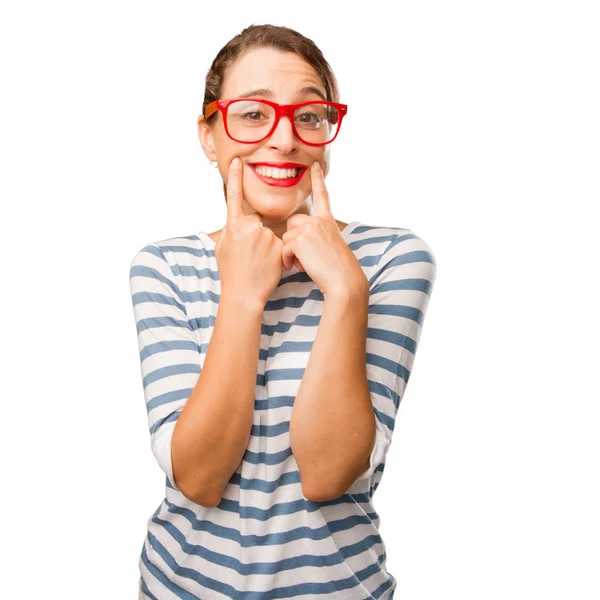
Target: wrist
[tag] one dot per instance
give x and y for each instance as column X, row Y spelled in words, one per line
column 242, row 303
column 349, row 292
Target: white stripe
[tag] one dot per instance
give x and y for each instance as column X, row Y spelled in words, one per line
column 264, row 535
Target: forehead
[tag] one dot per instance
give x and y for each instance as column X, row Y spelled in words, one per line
column 284, row 73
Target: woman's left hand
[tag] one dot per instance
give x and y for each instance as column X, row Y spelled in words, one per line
column 317, row 241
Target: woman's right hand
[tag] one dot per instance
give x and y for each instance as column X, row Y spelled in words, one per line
column 248, row 255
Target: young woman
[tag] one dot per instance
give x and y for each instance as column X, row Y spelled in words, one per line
column 275, row 351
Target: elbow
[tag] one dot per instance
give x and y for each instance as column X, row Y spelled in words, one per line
column 319, row 496
column 196, row 491
column 192, row 483
column 206, row 502
column 319, row 493
column 200, row 497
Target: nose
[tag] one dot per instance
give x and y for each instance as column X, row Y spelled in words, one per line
column 283, row 137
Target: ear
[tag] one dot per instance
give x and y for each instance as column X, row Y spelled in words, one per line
column 206, row 138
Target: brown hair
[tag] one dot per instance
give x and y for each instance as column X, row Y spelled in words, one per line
column 277, row 37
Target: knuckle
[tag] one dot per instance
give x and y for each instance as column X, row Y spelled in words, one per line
column 233, row 231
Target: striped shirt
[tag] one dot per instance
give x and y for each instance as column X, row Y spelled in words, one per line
column 265, row 539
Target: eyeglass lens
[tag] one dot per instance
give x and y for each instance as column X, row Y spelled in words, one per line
column 251, row 121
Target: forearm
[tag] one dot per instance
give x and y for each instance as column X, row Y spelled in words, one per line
column 332, row 428
column 214, row 427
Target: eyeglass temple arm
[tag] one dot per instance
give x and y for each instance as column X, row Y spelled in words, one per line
column 210, row 109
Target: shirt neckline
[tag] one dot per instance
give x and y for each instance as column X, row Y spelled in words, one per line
column 210, row 244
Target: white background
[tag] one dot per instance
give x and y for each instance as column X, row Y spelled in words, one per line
column 475, row 124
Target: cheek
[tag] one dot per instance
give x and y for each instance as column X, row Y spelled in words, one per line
column 224, row 159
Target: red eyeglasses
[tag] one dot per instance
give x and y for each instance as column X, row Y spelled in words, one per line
column 252, row 120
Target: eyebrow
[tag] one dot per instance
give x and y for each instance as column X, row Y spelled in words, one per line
column 309, row 89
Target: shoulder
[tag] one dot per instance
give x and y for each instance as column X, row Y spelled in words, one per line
column 374, row 242
column 407, row 242
column 391, row 251
column 174, row 251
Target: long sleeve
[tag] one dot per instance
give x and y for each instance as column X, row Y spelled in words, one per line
column 169, row 351
column 400, row 289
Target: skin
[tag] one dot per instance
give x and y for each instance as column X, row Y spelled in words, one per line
column 284, row 73
column 332, row 428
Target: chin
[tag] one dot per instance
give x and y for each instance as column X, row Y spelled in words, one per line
column 277, row 204
column 272, row 213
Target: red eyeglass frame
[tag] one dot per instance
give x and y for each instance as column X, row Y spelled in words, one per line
column 281, row 110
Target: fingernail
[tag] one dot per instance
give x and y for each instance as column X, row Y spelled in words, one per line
column 236, row 162
column 315, row 164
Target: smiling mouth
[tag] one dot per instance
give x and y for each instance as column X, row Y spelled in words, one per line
column 281, row 182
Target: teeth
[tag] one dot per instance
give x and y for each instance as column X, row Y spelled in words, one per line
column 276, row 173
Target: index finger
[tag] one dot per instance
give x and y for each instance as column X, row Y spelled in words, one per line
column 319, row 191
column 234, row 191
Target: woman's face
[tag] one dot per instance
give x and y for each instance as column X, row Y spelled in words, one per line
column 284, row 74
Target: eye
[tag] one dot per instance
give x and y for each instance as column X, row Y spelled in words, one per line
column 311, row 117
column 251, row 116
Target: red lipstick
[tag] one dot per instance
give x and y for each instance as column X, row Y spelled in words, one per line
column 288, row 181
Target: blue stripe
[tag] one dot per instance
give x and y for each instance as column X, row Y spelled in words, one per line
column 260, row 568
column 176, row 303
